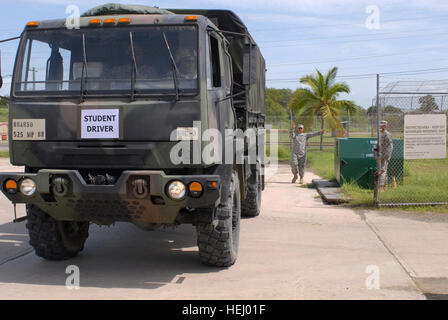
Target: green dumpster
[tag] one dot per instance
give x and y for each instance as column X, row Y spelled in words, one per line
column 355, row 161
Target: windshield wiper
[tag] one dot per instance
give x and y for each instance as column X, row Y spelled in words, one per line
column 84, row 69
column 134, row 68
column 174, row 67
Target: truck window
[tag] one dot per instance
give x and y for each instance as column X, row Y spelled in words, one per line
column 227, row 68
column 51, row 62
column 215, row 62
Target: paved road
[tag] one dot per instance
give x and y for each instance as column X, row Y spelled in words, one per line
column 4, row 146
column 298, row 248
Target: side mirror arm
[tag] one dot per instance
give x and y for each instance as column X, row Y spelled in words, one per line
column 231, row 96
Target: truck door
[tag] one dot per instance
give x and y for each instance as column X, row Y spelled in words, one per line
column 217, row 83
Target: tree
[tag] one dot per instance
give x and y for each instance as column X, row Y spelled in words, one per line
column 274, row 109
column 4, row 102
column 280, row 96
column 428, row 104
column 320, row 100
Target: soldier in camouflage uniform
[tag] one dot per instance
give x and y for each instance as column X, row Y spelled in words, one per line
column 298, row 154
column 387, row 148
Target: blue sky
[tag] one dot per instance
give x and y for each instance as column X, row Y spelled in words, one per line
column 298, row 36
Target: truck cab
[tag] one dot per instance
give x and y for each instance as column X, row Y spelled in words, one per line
column 111, row 121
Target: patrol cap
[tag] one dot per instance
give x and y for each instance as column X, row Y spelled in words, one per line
column 383, row 123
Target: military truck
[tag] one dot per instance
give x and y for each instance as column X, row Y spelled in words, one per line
column 97, row 109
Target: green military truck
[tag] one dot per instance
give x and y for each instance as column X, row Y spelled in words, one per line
column 101, row 113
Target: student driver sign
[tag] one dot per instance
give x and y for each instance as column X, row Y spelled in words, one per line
column 100, row 124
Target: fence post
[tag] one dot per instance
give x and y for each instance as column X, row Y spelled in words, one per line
column 378, row 162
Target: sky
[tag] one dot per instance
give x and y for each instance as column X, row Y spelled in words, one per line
column 399, row 39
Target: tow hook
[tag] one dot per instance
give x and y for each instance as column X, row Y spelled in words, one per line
column 60, row 186
column 140, row 188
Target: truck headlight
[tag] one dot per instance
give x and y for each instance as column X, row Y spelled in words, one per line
column 176, row 190
column 27, row 187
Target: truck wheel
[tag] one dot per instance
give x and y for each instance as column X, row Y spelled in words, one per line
column 218, row 244
column 250, row 207
column 53, row 239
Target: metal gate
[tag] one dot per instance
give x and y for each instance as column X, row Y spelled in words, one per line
column 416, row 173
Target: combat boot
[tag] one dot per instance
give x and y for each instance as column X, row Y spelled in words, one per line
column 294, row 179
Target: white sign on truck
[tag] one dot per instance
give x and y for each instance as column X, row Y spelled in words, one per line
column 28, row 129
column 425, row 136
column 100, row 124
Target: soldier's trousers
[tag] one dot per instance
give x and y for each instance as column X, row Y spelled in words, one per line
column 383, row 176
column 298, row 163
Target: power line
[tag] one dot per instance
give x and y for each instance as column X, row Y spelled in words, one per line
column 351, row 36
column 351, row 24
column 358, row 40
column 416, row 71
column 370, row 75
column 364, row 66
column 357, row 58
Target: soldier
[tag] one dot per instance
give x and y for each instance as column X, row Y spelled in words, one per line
column 387, row 147
column 186, row 60
column 298, row 154
column 121, row 72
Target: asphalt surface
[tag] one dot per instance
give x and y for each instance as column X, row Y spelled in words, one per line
column 298, row 248
column 4, row 146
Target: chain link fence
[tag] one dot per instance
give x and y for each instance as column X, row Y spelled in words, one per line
column 361, row 126
column 417, row 171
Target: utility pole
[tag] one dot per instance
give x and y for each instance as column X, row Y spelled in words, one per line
column 34, row 70
column 378, row 162
column 348, row 124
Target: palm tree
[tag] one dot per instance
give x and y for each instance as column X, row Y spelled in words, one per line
column 320, row 100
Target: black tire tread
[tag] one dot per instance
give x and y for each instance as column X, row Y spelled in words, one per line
column 45, row 236
column 214, row 242
column 249, row 206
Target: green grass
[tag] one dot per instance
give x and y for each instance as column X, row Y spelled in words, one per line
column 284, row 153
column 322, row 163
column 423, row 181
column 3, row 114
column 4, row 154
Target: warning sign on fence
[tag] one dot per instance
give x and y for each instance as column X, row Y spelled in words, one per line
column 425, row 136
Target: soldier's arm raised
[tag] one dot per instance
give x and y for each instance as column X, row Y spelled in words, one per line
column 314, row 134
column 292, row 131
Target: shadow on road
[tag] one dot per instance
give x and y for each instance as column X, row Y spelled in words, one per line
column 120, row 256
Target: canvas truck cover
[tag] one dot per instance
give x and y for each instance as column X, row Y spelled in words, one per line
column 248, row 64
column 116, row 8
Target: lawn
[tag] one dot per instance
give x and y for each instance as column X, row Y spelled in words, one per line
column 423, row 181
column 3, row 114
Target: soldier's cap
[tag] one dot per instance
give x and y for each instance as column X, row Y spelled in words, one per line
column 300, row 126
column 383, row 123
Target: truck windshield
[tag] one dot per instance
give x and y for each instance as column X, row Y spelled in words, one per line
column 52, row 61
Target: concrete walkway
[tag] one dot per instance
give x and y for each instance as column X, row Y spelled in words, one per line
column 298, row 248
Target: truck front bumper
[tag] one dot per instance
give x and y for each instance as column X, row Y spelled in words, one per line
column 140, row 197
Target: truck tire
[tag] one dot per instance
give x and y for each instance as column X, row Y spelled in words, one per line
column 250, row 207
column 52, row 239
column 218, row 244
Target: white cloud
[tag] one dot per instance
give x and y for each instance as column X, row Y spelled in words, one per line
column 5, row 90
